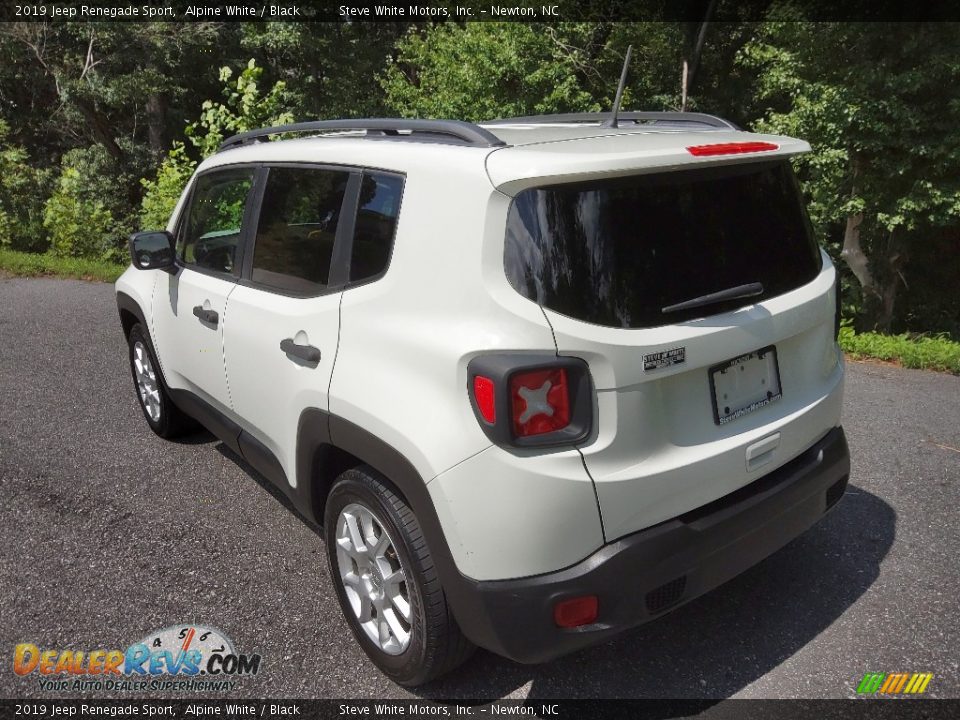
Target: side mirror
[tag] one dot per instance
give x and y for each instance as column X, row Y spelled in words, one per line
column 151, row 250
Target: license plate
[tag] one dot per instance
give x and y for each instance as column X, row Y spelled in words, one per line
column 744, row 384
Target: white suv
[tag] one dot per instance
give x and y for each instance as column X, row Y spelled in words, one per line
column 540, row 380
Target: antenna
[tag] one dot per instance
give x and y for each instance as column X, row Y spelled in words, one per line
column 612, row 122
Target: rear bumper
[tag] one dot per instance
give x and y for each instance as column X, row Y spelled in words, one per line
column 645, row 574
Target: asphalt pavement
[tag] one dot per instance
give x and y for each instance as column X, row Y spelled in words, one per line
column 108, row 533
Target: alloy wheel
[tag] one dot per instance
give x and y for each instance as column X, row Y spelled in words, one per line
column 374, row 579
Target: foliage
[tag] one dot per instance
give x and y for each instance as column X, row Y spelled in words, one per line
column 27, row 264
column 162, row 193
column 485, row 70
column 112, row 183
column 22, row 189
column 244, row 108
column 936, row 352
column 879, row 104
column 330, row 68
column 77, row 225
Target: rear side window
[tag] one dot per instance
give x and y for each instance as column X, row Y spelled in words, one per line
column 616, row 252
column 376, row 224
column 211, row 233
column 297, row 228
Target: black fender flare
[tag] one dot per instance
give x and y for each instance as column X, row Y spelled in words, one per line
column 317, row 428
column 125, row 303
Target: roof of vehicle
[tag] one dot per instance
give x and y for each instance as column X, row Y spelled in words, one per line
column 517, row 152
column 528, row 134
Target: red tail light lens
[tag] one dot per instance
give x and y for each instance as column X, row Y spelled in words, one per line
column 732, row 148
column 576, row 611
column 483, row 393
column 539, row 401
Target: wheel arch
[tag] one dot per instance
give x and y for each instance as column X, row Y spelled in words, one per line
column 327, row 445
column 130, row 313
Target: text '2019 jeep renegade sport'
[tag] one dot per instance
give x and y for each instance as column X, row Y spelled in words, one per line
column 540, row 380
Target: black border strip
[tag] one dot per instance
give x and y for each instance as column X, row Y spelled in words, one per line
column 536, row 11
column 874, row 708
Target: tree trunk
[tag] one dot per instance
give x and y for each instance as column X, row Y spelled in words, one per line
column 879, row 288
column 698, row 46
column 889, row 282
column 99, row 127
column 857, row 260
column 157, row 123
column 854, row 256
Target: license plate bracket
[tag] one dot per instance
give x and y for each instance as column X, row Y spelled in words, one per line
column 743, row 384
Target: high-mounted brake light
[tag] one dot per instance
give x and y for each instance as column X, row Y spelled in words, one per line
column 732, row 148
column 539, row 401
column 483, row 393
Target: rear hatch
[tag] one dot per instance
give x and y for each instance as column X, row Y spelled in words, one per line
column 697, row 396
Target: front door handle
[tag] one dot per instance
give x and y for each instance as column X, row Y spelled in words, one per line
column 209, row 316
column 304, row 352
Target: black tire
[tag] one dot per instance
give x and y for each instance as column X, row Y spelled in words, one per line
column 172, row 421
column 436, row 643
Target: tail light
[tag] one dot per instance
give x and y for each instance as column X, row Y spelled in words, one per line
column 483, row 390
column 539, row 401
column 531, row 400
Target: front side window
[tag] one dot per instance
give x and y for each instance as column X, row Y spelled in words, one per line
column 211, row 234
column 620, row 252
column 297, row 228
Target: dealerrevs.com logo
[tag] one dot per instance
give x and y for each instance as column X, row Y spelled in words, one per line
column 180, row 657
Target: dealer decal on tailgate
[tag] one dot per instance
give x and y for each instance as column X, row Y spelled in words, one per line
column 665, row 358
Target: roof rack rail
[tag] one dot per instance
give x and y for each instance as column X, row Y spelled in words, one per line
column 455, row 132
column 663, row 118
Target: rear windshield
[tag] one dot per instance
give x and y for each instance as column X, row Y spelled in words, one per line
column 616, row 252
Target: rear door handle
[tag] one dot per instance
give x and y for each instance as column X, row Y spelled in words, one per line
column 209, row 316
column 304, row 352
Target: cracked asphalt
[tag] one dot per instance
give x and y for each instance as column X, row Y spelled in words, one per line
column 108, row 533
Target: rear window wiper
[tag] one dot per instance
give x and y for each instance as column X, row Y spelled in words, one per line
column 734, row 293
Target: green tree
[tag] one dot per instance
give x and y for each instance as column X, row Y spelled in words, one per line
column 480, row 71
column 22, row 189
column 163, row 191
column 78, row 227
column 103, row 98
column 880, row 104
column 244, row 107
column 330, row 68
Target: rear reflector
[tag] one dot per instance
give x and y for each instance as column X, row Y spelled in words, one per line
column 484, row 395
column 731, row 148
column 539, row 401
column 576, row 611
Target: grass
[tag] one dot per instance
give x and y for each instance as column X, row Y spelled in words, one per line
column 25, row 264
column 936, row 352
